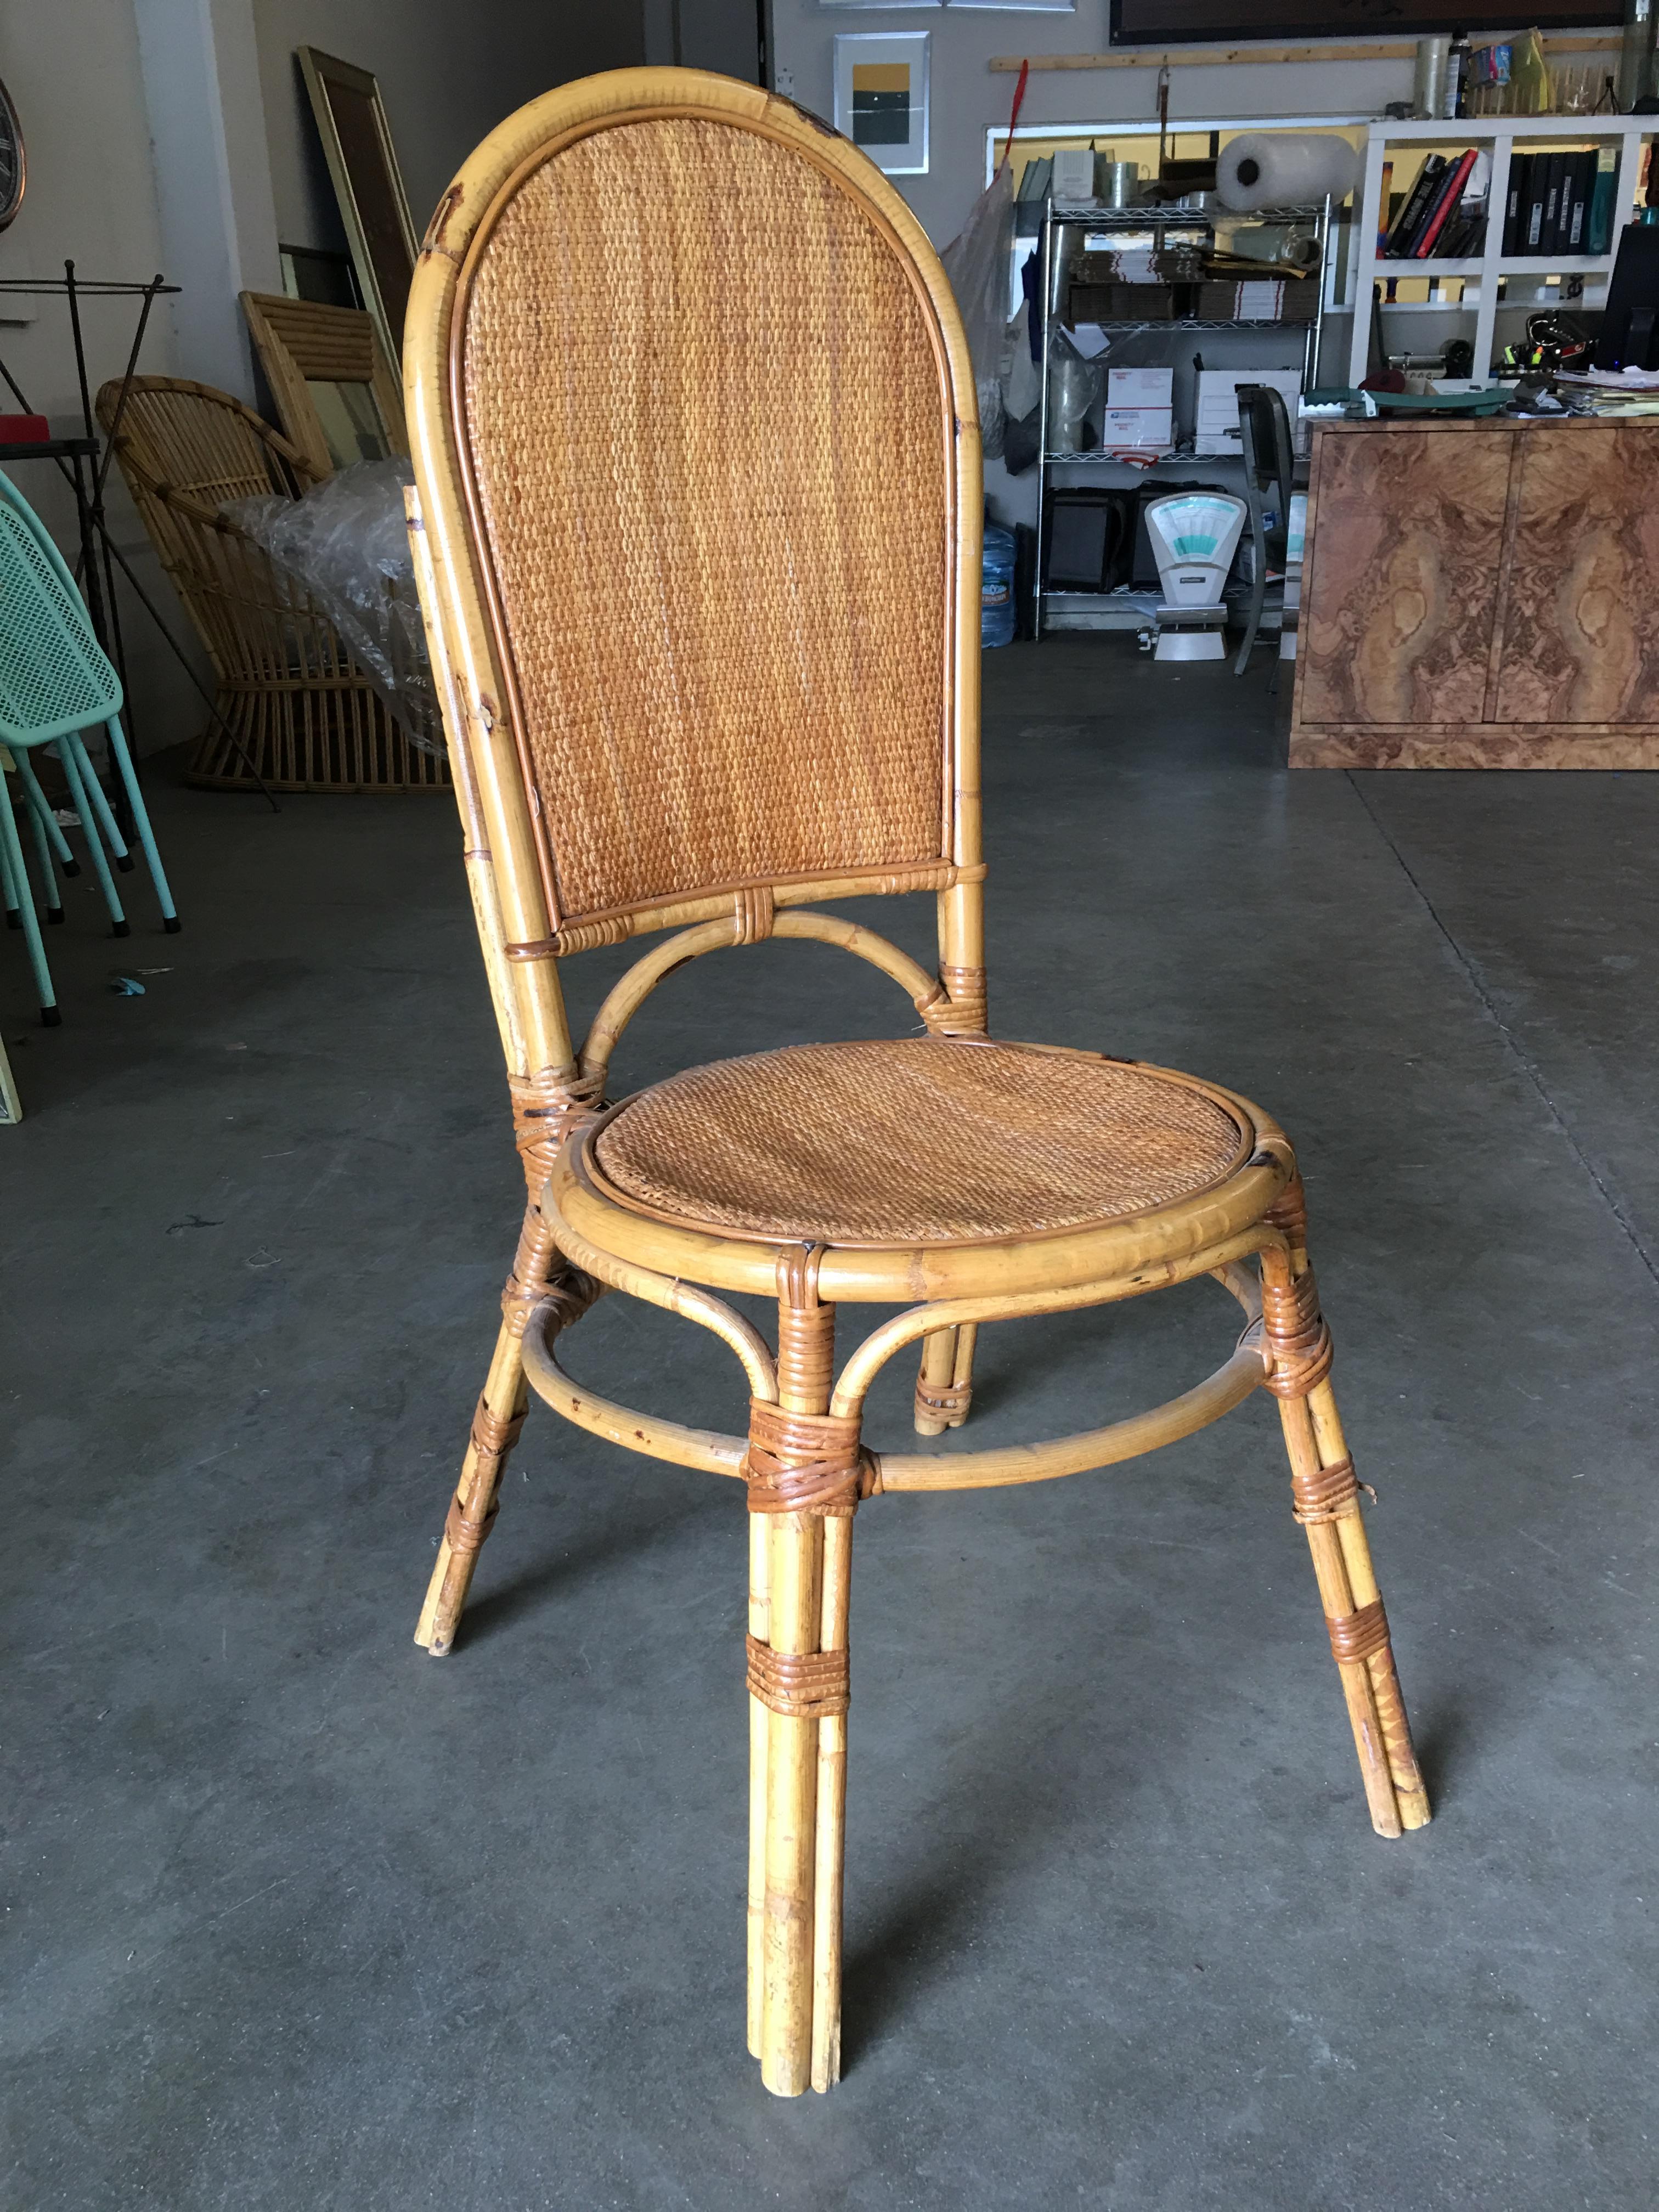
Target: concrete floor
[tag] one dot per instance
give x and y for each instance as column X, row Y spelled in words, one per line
column 298, row 1918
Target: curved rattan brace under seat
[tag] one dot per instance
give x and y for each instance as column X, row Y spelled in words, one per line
column 702, row 595
column 1116, row 1441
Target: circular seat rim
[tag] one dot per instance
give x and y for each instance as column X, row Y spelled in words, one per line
column 579, row 1196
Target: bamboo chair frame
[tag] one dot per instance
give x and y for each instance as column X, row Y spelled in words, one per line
column 300, row 342
column 289, row 698
column 803, row 1461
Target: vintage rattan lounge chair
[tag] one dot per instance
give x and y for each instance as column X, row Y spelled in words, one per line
column 289, row 700
column 698, row 530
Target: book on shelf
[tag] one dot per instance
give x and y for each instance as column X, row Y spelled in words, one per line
column 1464, row 236
column 1418, row 203
column 1034, row 176
column 1445, row 201
column 1385, row 209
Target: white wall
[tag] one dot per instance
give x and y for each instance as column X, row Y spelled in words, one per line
column 449, row 71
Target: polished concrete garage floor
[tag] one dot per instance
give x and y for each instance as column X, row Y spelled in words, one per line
column 296, row 1916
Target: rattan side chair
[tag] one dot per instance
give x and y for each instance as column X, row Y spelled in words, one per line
column 290, row 699
column 699, row 558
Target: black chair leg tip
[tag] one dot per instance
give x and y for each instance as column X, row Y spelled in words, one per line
column 71, row 867
column 14, row 920
column 54, row 914
column 120, row 929
column 172, row 924
column 125, row 864
column 51, row 1019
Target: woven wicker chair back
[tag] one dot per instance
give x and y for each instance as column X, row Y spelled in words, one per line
column 707, row 416
column 198, row 441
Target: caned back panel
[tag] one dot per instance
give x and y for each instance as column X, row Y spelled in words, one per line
column 710, row 435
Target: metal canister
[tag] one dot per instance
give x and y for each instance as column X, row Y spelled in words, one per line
column 1429, row 86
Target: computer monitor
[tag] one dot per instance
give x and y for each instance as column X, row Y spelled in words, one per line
column 1629, row 337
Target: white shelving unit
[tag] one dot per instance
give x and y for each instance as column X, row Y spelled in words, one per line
column 1501, row 135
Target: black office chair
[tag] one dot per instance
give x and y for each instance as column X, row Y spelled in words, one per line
column 1264, row 437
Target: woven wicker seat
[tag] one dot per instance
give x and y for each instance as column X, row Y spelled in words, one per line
column 925, row 1141
column 699, row 559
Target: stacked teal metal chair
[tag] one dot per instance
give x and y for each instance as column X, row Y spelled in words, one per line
column 56, row 682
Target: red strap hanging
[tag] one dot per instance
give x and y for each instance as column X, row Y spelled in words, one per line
column 1019, row 101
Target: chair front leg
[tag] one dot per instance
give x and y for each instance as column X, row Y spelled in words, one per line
column 805, row 1475
column 1325, row 1501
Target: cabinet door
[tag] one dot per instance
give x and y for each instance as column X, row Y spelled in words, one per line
column 1581, row 633
column 1402, row 588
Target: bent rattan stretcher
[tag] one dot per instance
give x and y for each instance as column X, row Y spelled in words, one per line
column 699, row 559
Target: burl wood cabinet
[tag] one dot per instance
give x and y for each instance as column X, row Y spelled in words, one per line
column 1480, row 594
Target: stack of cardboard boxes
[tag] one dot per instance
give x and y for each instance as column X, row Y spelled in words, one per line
column 1140, row 411
column 1216, row 428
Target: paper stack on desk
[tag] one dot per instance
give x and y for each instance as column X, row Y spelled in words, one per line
column 1610, row 393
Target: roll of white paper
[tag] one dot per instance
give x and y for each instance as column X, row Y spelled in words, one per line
column 1285, row 168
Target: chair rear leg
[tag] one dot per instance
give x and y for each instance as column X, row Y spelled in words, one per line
column 123, row 759
column 496, row 1425
column 20, row 899
column 82, row 805
column 103, row 813
column 1325, row 1500
column 1252, row 619
column 66, row 863
column 944, row 1385
column 43, row 853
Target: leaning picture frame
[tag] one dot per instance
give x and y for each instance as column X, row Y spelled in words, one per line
column 881, row 97
column 363, row 170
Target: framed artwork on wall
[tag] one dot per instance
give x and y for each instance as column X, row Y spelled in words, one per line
column 1184, row 23
column 881, row 97
column 363, row 170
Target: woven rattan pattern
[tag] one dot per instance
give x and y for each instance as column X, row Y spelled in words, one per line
column 922, row 1140
column 710, row 449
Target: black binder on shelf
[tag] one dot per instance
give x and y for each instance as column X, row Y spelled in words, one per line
column 1515, row 202
column 1576, row 202
column 1532, row 224
column 1554, row 169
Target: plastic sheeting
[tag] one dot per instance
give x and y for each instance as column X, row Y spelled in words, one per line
column 346, row 543
column 977, row 262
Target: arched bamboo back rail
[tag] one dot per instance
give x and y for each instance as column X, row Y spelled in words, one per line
column 711, row 753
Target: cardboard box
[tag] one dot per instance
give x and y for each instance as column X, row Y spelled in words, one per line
column 1268, row 300
column 1144, row 428
column 1123, row 303
column 1216, row 423
column 1139, row 387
